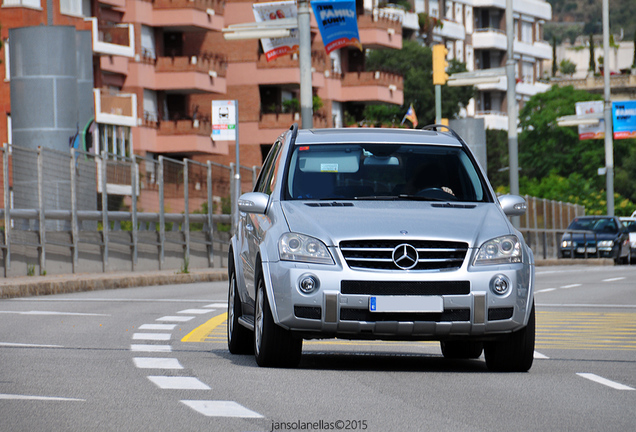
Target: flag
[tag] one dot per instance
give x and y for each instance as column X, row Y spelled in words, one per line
column 410, row 116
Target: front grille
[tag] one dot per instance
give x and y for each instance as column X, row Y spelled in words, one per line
column 498, row 314
column 350, row 314
column 378, row 254
column 308, row 312
column 405, row 288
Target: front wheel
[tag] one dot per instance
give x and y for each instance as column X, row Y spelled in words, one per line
column 239, row 338
column 273, row 345
column 515, row 353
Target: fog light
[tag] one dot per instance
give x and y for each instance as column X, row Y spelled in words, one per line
column 308, row 284
column 500, row 284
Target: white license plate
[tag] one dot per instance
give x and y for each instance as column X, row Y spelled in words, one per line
column 406, row 304
column 589, row 250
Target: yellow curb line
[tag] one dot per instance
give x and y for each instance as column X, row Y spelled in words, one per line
column 200, row 333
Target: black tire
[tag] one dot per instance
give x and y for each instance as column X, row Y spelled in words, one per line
column 461, row 349
column 274, row 346
column 239, row 338
column 515, row 353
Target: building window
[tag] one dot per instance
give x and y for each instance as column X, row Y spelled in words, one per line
column 7, row 69
column 526, row 32
column 71, row 7
column 528, row 72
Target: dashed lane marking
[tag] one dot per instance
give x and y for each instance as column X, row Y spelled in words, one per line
column 605, row 381
column 157, row 327
column 176, row 318
column 196, row 311
column 53, row 313
column 157, row 363
column 152, row 336
column 221, row 409
column 178, row 383
column 25, row 345
column 151, row 348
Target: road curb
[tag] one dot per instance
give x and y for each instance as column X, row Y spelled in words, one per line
column 46, row 285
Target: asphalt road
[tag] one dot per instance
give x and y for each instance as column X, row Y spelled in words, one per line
column 155, row 358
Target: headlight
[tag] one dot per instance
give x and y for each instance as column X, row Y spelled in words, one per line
column 566, row 244
column 501, row 250
column 606, row 243
column 298, row 247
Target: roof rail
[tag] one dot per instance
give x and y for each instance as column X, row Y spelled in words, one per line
column 435, row 126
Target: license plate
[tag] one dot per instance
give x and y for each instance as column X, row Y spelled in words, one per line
column 406, row 304
column 589, row 250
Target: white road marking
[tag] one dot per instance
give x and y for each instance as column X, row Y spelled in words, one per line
column 152, row 336
column 11, row 344
column 52, row 313
column 157, row 327
column 546, row 290
column 571, row 286
column 221, row 409
column 538, row 355
column 595, row 306
column 157, row 363
column 175, row 318
column 613, row 279
column 38, row 398
column 178, row 383
column 605, row 381
column 195, row 311
column 151, row 348
column 217, row 305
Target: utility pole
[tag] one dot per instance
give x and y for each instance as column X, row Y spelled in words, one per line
column 511, row 97
column 609, row 139
column 304, row 61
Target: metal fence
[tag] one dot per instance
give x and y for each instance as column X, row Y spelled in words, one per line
column 160, row 213
column 544, row 223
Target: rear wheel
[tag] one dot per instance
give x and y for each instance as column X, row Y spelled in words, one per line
column 239, row 338
column 515, row 353
column 461, row 349
column 273, row 345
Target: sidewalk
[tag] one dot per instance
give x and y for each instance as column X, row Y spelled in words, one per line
column 27, row 286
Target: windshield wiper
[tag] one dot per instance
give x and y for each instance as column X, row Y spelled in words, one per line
column 397, row 197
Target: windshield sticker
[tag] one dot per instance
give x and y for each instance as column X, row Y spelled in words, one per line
column 329, row 167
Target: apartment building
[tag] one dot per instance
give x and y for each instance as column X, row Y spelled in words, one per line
column 157, row 66
column 475, row 33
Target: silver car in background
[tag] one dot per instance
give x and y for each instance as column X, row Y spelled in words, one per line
column 387, row 234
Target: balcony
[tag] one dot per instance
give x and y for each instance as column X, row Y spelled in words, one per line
column 381, row 29
column 490, row 38
column 115, row 109
column 188, row 15
column 194, row 74
column 451, row 30
column 539, row 49
column 282, row 121
column 116, row 40
column 372, row 87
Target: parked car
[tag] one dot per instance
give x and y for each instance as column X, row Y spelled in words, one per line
column 595, row 237
column 630, row 224
column 388, row 234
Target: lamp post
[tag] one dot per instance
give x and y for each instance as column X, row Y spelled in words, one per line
column 609, row 140
column 511, row 97
column 304, row 62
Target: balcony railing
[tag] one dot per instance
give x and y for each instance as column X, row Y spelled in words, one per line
column 284, row 120
column 204, row 63
column 217, row 7
column 22, row 3
column 118, row 39
column 375, row 78
column 189, row 126
column 318, row 61
column 380, row 20
column 116, row 109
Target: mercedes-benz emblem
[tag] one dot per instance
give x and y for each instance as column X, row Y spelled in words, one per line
column 405, row 256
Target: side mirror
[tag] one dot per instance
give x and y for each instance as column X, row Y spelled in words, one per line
column 253, row 202
column 513, row 205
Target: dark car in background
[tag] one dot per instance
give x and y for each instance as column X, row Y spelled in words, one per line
column 630, row 224
column 596, row 237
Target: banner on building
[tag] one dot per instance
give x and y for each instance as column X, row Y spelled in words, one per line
column 277, row 47
column 338, row 23
column 224, row 120
column 596, row 131
column 624, row 117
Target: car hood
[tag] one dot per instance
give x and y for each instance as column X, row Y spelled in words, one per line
column 334, row 222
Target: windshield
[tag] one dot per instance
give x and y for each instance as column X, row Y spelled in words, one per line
column 383, row 171
column 601, row 225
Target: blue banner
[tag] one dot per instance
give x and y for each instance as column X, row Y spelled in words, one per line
column 624, row 117
column 338, row 23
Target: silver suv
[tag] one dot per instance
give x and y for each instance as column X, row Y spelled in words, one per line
column 388, row 234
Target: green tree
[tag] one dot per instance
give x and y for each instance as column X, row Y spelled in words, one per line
column 567, row 67
column 592, row 67
column 414, row 62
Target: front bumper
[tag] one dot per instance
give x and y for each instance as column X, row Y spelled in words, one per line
column 330, row 312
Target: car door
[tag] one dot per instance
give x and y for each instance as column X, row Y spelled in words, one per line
column 252, row 226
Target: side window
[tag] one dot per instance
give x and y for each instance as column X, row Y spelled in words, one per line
column 264, row 178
